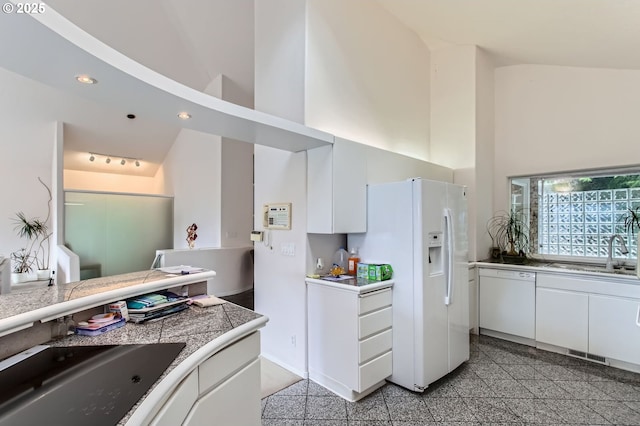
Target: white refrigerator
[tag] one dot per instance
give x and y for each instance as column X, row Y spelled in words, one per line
column 419, row 226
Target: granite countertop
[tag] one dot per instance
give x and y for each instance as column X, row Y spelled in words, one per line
column 562, row 267
column 194, row 326
column 358, row 285
column 20, row 301
column 21, row 309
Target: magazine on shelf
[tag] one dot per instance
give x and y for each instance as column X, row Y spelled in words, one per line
column 155, row 305
column 138, row 318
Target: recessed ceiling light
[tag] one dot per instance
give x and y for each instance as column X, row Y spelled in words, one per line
column 131, row 116
column 184, row 115
column 86, row 79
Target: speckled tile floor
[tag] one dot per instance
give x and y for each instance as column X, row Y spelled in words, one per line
column 503, row 383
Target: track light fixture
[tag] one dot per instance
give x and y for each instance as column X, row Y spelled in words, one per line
column 107, row 158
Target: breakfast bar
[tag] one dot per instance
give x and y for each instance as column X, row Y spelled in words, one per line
column 219, row 358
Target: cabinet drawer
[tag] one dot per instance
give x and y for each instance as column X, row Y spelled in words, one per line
column 374, row 346
column 374, row 371
column 374, row 322
column 368, row 302
column 229, row 360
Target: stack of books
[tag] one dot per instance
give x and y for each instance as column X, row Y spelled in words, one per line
column 155, row 306
column 99, row 324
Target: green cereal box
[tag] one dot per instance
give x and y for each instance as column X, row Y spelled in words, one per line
column 374, row 272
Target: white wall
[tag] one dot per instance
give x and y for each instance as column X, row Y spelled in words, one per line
column 236, row 205
column 453, row 106
column 366, row 77
column 279, row 289
column 26, row 153
column 552, row 119
column 280, row 37
column 193, row 177
column 462, row 119
column 481, row 190
column 112, row 182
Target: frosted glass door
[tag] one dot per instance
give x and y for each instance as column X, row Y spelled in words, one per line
column 116, row 233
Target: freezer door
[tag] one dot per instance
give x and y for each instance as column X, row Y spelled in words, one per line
column 430, row 310
column 458, row 308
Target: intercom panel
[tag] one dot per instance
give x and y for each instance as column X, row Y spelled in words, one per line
column 277, row 216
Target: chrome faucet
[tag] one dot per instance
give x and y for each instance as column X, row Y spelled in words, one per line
column 623, row 250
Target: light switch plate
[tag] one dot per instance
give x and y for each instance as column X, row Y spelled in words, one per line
column 288, row 249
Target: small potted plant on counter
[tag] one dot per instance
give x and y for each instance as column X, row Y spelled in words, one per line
column 510, row 234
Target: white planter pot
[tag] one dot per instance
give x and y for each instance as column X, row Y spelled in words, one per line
column 43, row 274
column 19, row 277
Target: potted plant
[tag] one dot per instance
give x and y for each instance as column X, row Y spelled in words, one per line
column 22, row 262
column 38, row 236
column 632, row 225
column 510, row 234
column 632, row 220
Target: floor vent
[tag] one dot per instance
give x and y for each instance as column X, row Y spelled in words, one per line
column 590, row 357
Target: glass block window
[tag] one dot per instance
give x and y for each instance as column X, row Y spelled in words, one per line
column 576, row 216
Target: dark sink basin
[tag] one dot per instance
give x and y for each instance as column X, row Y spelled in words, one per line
column 81, row 385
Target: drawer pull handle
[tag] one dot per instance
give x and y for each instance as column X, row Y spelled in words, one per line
column 373, row 293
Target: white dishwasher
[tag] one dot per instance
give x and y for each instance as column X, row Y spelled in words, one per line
column 508, row 302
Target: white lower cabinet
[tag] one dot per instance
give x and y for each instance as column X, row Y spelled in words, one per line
column 596, row 316
column 177, row 407
column 223, row 390
column 350, row 338
column 614, row 328
column 562, row 318
column 227, row 403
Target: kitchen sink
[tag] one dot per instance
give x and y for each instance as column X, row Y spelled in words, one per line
column 590, row 268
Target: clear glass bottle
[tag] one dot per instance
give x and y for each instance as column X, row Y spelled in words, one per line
column 58, row 329
column 70, row 324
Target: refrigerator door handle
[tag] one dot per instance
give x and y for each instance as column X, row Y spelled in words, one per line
column 449, row 249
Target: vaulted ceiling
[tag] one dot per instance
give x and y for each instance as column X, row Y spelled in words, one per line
column 193, row 41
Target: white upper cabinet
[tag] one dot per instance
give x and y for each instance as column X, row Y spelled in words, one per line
column 337, row 188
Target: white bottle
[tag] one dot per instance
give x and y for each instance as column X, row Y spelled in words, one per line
column 341, row 259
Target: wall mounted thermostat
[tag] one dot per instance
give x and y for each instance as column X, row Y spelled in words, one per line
column 277, row 216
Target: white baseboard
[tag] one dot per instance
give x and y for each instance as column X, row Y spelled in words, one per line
column 303, row 374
